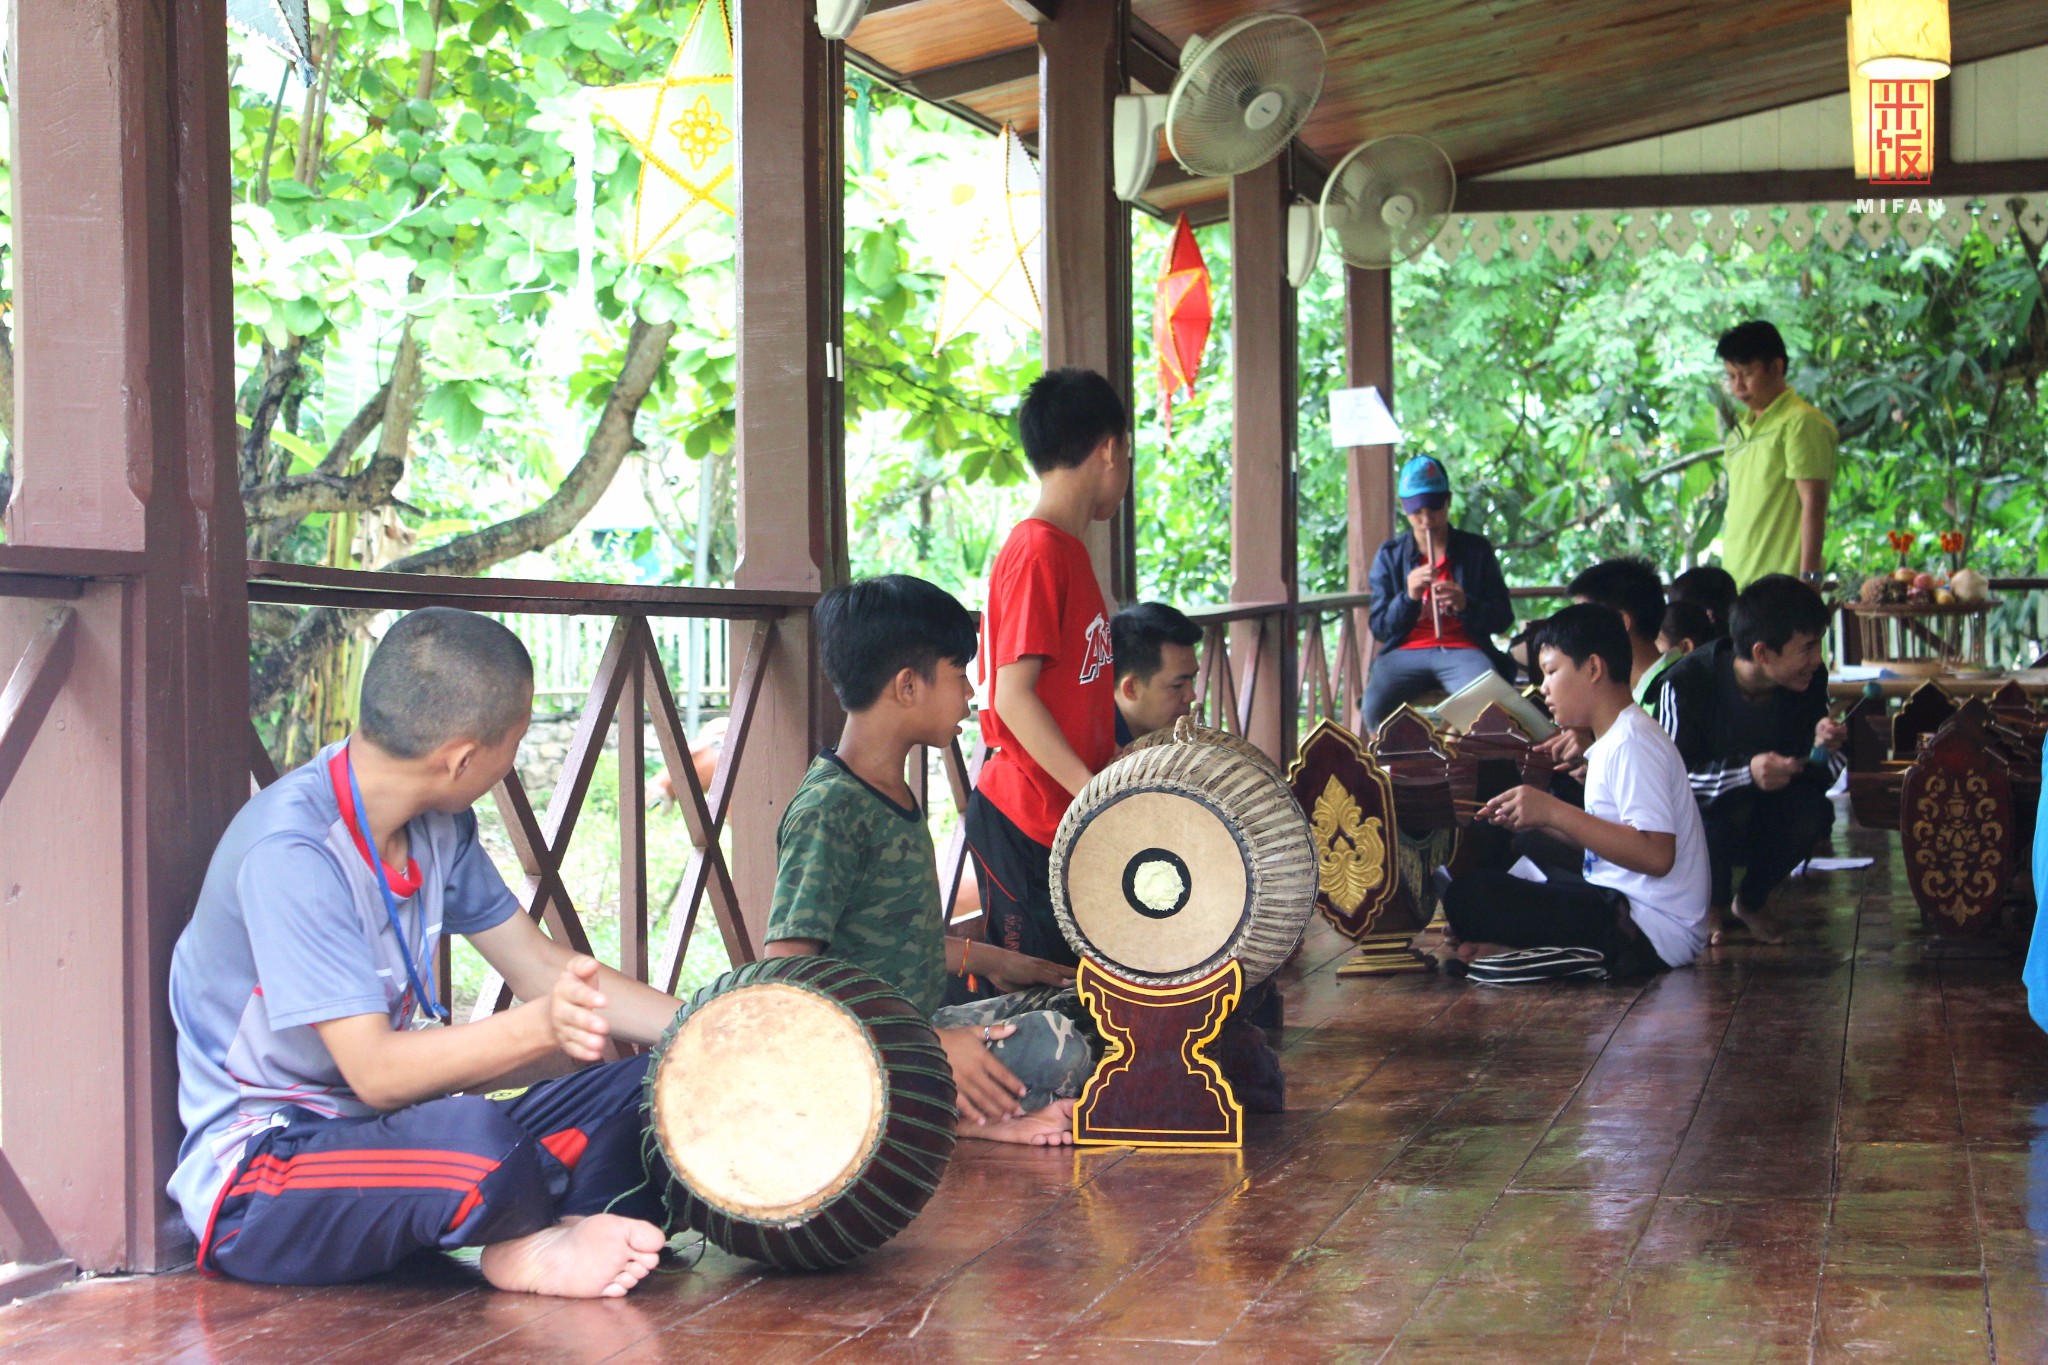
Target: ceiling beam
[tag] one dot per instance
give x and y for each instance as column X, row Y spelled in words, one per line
column 1960, row 180
column 1150, row 58
column 961, row 79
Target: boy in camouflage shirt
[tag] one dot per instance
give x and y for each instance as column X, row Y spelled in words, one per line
column 857, row 879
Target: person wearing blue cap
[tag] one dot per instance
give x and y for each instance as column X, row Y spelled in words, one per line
column 1438, row 598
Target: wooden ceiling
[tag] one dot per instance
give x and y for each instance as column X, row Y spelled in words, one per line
column 1498, row 83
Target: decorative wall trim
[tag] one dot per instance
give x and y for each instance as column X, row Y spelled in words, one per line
column 1720, row 230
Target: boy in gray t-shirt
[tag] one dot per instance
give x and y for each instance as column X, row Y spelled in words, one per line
column 325, row 1136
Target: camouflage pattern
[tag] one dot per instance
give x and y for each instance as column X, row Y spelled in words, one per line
column 1055, row 1047
column 857, row 872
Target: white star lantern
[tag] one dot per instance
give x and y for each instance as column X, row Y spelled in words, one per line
column 682, row 127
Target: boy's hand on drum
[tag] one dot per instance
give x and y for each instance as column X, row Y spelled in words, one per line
column 1020, row 971
column 572, row 1006
column 986, row 1090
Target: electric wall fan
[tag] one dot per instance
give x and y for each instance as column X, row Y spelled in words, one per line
column 1239, row 98
column 1387, row 200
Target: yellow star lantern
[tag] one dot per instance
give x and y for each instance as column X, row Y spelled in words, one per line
column 991, row 279
column 682, row 127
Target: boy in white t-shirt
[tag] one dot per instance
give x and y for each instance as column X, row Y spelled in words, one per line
column 1641, row 901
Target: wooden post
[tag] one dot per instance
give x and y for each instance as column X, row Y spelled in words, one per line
column 786, row 92
column 1262, row 484
column 1369, row 356
column 125, row 440
column 1087, row 273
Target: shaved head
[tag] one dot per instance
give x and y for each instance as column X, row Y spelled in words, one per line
column 443, row 674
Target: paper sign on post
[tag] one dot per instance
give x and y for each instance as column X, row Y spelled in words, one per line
column 1359, row 417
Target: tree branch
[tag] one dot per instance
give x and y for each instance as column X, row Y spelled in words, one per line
column 282, row 371
column 610, row 442
column 356, row 432
column 283, row 669
column 1582, row 521
column 320, row 491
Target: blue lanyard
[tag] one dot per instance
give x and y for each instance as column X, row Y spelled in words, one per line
column 421, row 992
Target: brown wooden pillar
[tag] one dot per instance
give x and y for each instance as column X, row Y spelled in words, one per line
column 791, row 515
column 1369, row 356
column 124, row 392
column 1262, row 482
column 1087, row 273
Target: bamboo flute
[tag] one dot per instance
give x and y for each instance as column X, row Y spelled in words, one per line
column 1436, row 613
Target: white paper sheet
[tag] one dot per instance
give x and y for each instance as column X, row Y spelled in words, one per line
column 1359, row 417
column 1832, row 865
column 1527, row 871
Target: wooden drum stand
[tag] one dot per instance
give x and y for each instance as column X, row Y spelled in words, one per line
column 1182, row 874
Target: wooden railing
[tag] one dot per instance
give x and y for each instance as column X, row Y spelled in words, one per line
column 630, row 690
column 31, row 1259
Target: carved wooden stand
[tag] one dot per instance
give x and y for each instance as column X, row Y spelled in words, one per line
column 1154, row 1087
column 1961, row 784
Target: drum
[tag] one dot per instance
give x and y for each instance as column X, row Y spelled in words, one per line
column 805, row 1110
column 1184, row 853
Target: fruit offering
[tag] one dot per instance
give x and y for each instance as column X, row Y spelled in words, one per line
column 1904, row 586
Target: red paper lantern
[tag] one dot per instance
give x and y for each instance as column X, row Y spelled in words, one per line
column 1182, row 317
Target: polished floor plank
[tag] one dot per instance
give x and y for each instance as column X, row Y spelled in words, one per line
column 1539, row 1263
column 1721, row 1281
column 1916, row 1318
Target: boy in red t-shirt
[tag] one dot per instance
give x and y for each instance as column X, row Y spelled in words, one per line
column 1051, row 717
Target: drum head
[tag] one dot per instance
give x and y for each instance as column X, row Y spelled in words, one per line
column 1185, row 852
column 769, row 1100
column 1156, row 881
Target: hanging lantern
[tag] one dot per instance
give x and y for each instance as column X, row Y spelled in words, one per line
column 1900, row 40
column 1181, row 317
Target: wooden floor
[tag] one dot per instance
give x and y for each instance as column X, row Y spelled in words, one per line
column 1834, row 1151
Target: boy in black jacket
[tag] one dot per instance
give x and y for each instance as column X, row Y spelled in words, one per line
column 1433, row 614
column 1750, row 716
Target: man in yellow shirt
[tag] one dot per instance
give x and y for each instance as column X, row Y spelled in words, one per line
column 1781, row 459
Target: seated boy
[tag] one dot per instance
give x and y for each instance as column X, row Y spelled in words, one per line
column 1050, row 722
column 1154, row 646
column 1711, row 588
column 327, row 1132
column 1642, row 900
column 1687, row 627
column 1633, row 588
column 856, row 878
column 1750, row 714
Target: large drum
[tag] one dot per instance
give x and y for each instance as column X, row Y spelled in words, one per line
column 805, row 1110
column 1184, row 853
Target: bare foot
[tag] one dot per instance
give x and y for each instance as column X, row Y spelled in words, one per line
column 599, row 1257
column 1761, row 926
column 1052, row 1126
column 1472, row 952
column 1717, row 924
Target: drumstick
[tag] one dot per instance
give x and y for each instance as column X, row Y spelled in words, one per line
column 1436, row 613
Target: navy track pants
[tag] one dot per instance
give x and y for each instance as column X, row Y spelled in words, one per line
column 327, row 1200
